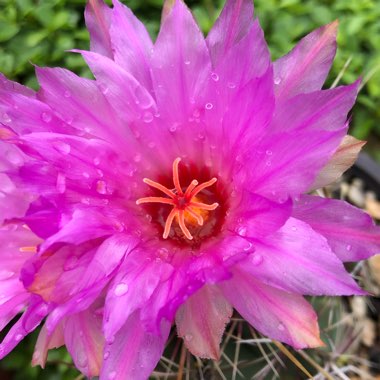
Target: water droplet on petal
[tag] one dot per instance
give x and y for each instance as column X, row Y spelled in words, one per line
column 256, row 259
column 294, row 228
column 18, row 337
column 231, row 85
column 215, row 77
column 121, row 289
column 137, row 158
column 96, row 161
column 277, row 80
column 189, row 337
column 62, row 147
column 106, row 355
column 242, row 231
column 142, row 97
column 112, row 375
column 209, row 106
column 67, row 94
column 6, row 118
column 187, row 62
column 268, row 163
column 61, row 183
column 348, row 247
column 86, row 175
column 268, row 152
column 148, row 117
column 46, row 117
column 281, row 327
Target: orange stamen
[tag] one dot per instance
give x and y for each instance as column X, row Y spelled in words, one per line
column 182, row 202
column 28, row 249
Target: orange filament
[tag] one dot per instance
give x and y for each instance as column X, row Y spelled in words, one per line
column 184, row 204
column 28, row 249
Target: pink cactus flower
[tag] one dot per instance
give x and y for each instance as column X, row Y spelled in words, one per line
column 173, row 188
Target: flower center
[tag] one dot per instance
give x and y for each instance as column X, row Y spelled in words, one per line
column 187, row 207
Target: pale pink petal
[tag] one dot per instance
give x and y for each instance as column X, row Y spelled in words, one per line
column 342, row 159
column 201, row 321
column 85, row 341
column 131, row 43
column 98, row 20
column 295, row 259
column 305, row 68
column 280, row 315
column 134, row 352
column 45, row 342
column 350, row 232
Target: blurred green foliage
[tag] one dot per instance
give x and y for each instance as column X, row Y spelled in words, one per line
column 41, row 31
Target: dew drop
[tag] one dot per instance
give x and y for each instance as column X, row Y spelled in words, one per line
column 268, row 152
column 148, row 117
column 18, row 337
column 209, row 106
column 277, row 80
column 61, row 183
column 14, row 157
column 103, row 88
column 137, row 158
column 348, row 247
column 256, row 259
column 268, row 163
column 242, row 231
column 281, row 327
column 189, row 337
column 142, row 97
column 231, row 85
column 294, row 228
column 248, row 247
column 173, row 128
column 67, row 94
column 151, row 145
column 62, row 147
column 121, row 289
column 112, row 375
column 86, row 175
column 187, row 62
column 106, row 355
column 96, row 161
column 46, row 117
column 82, row 359
column 6, row 118
column 215, row 77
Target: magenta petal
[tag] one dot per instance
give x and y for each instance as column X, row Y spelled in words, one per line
column 256, row 216
column 31, row 318
column 232, row 25
column 134, row 352
column 201, row 321
column 129, row 99
column 82, row 103
column 131, row 43
column 8, row 85
column 180, row 64
column 98, row 20
column 131, row 289
column 295, row 259
column 106, row 260
column 350, row 232
column 280, row 315
column 305, row 133
column 84, row 341
column 305, row 68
